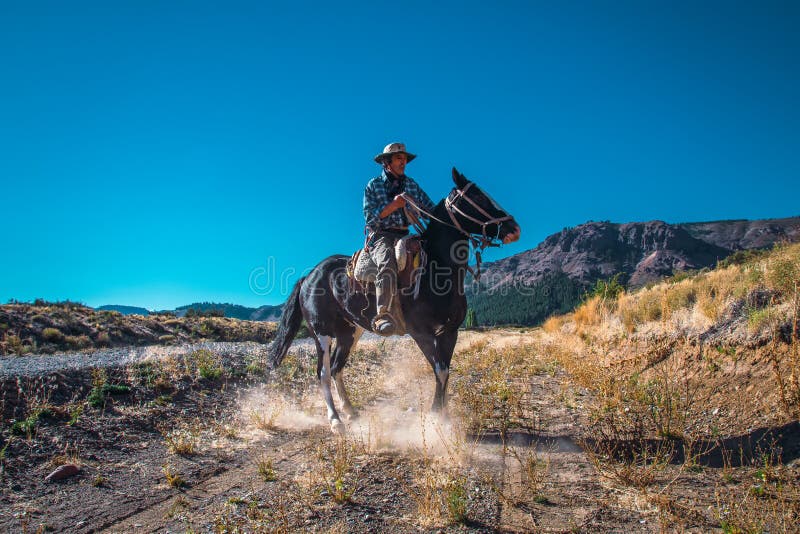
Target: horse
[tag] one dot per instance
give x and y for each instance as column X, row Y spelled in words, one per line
column 337, row 312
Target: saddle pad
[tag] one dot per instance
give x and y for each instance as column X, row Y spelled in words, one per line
column 365, row 269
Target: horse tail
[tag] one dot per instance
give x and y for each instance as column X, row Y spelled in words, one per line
column 291, row 318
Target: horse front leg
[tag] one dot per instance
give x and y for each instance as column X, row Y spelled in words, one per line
column 438, row 350
column 445, row 343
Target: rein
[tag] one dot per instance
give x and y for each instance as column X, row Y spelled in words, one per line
column 478, row 242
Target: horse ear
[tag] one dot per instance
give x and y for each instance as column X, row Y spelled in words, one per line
column 459, row 179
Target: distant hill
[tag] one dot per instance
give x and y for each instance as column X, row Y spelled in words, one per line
column 124, row 310
column 229, row 310
column 235, row 311
column 48, row 327
column 530, row 286
column 267, row 313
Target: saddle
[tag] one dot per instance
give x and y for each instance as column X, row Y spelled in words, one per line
column 410, row 261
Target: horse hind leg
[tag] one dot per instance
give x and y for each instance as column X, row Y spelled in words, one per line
column 324, row 344
column 340, row 359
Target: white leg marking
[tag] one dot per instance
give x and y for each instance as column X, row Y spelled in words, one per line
column 347, row 406
column 325, row 376
column 442, row 374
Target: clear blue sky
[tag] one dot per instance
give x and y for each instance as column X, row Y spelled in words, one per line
column 157, row 153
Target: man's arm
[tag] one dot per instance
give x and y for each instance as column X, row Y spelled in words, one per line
column 397, row 203
column 372, row 207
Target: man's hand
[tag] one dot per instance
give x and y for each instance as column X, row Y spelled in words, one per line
column 398, row 202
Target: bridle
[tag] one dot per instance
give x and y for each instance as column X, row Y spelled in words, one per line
column 478, row 241
column 451, row 205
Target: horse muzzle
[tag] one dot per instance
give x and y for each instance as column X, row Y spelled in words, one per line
column 513, row 234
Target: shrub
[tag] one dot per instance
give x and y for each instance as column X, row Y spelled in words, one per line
column 79, row 342
column 607, row 290
column 741, row 257
column 103, row 339
column 54, row 335
column 207, row 363
column 783, row 270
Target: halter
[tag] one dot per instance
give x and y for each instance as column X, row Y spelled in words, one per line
column 478, row 241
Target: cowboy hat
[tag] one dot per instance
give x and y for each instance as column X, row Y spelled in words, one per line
column 394, row 148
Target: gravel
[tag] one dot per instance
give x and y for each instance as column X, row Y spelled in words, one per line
column 41, row 364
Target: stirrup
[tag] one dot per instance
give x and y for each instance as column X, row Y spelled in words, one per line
column 384, row 325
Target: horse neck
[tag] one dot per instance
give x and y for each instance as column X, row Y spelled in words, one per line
column 444, row 244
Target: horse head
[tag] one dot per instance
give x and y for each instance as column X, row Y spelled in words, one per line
column 473, row 211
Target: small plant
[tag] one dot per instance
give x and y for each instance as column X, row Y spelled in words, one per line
column 25, row 427
column 99, row 394
column 163, row 400
column 3, row 454
column 210, row 373
column 181, row 442
column 207, row 363
column 456, row 498
column 173, row 478
column 74, row 414
column 99, row 481
column 266, row 469
column 338, row 481
column 228, row 431
column 265, row 421
column 256, row 369
column 180, row 503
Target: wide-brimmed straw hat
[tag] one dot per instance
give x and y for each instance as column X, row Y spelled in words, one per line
column 394, row 148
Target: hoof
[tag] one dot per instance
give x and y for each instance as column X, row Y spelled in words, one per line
column 351, row 413
column 337, row 427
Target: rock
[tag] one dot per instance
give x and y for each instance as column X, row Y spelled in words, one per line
column 62, row 472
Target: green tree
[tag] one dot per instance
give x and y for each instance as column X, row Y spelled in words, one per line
column 470, row 321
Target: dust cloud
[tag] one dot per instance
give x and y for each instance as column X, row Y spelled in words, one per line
column 395, row 415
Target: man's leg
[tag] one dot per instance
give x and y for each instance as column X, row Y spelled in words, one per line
column 382, row 253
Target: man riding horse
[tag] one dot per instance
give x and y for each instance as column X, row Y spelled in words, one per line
column 337, row 311
column 386, row 222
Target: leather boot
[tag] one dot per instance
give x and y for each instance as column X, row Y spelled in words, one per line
column 384, row 323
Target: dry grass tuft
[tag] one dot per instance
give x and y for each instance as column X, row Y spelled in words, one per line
column 554, row 324
column 182, row 442
column 491, row 392
column 590, row 313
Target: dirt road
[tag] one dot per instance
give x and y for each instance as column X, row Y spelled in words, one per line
column 256, row 454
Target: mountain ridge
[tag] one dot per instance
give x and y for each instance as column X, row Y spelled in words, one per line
column 567, row 263
column 233, row 311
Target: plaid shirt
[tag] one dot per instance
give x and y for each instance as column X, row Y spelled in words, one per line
column 380, row 192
